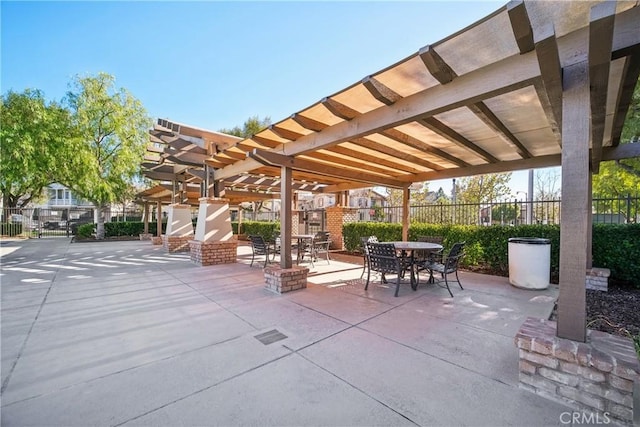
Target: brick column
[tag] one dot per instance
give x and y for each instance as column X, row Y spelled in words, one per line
column 596, row 376
column 281, row 280
column 179, row 229
column 214, row 242
column 336, row 217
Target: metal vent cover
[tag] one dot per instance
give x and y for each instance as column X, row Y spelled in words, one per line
column 270, row 337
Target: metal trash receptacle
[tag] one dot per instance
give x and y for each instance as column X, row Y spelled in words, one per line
column 529, row 262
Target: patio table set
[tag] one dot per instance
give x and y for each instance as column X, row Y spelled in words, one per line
column 309, row 246
column 400, row 257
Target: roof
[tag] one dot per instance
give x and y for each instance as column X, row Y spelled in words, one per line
column 485, row 99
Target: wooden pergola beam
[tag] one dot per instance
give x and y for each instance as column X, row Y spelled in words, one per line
column 270, row 143
column 630, row 80
column 600, row 44
column 355, row 164
column 437, row 67
column 285, row 133
column 624, row 151
column 308, row 123
column 484, row 113
column 550, row 91
column 374, row 159
column 338, row 109
column 380, row 92
column 273, row 159
column 383, row 149
column 412, row 142
column 445, row 131
column 521, row 25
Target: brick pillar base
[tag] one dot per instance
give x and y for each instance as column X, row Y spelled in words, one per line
column 213, row 253
column 156, row 240
column 285, row 280
column 176, row 243
column 598, row 279
column 145, row 236
column 596, row 376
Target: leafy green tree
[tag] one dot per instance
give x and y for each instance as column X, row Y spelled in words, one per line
column 483, row 188
column 250, row 127
column 33, row 136
column 622, row 177
column 112, row 133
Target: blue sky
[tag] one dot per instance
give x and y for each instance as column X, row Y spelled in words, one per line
column 214, row 64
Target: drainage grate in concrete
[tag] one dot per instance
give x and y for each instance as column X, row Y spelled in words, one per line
column 270, row 337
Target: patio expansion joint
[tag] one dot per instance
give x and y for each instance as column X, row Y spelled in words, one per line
column 7, row 380
column 342, row 380
column 131, row 368
column 203, row 389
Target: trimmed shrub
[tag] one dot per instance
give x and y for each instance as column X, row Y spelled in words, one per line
column 265, row 229
column 86, row 230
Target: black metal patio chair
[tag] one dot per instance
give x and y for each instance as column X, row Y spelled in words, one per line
column 383, row 258
column 320, row 245
column 449, row 265
column 365, row 251
column 259, row 248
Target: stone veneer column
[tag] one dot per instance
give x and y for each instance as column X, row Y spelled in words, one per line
column 214, row 242
column 597, row 376
column 281, row 280
column 179, row 229
column 337, row 216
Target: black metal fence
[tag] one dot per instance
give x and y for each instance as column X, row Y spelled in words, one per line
column 58, row 222
column 605, row 210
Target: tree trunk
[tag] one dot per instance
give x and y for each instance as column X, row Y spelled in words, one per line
column 100, row 223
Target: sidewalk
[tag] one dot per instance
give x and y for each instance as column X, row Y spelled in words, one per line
column 122, row 333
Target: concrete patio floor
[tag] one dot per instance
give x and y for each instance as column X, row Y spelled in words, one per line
column 122, row 333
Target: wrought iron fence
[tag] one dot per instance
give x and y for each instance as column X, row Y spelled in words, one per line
column 515, row 212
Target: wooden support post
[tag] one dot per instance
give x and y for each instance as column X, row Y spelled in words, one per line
column 574, row 222
column 286, row 198
column 159, row 218
column 218, row 189
column 146, row 217
column 184, row 195
column 405, row 213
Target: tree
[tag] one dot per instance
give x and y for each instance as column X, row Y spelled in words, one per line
column 547, row 184
column 622, row 177
column 483, row 188
column 33, row 136
column 112, row 133
column 250, row 127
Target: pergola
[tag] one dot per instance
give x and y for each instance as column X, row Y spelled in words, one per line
column 535, row 84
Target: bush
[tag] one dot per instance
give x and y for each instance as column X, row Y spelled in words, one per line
column 265, row 229
column 86, row 230
column 617, row 247
column 614, row 245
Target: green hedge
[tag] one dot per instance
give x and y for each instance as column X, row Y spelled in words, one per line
column 487, row 247
column 617, row 247
column 264, row 229
column 117, row 229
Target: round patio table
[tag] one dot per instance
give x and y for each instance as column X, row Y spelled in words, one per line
column 405, row 246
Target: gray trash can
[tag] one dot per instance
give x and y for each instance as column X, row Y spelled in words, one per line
column 529, row 262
